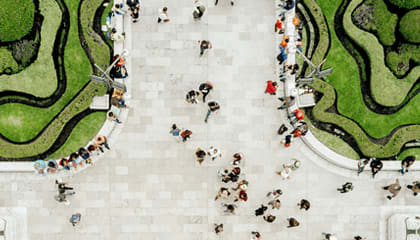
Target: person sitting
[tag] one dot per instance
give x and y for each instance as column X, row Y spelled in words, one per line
column 118, row 72
column 296, row 116
column 286, row 102
column 117, row 9
column 111, row 116
column 115, row 35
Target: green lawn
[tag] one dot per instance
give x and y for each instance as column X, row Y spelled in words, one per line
column 405, row 3
column 16, row 19
column 85, row 131
column 409, row 30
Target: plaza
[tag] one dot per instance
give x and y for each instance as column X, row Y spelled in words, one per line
column 150, row 186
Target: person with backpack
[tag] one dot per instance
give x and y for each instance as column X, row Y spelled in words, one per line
column 199, row 9
column 205, row 89
column 213, row 107
column 185, row 135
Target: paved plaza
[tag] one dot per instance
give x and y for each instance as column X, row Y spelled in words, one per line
column 150, row 187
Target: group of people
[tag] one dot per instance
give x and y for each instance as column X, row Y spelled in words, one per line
column 63, row 193
column 193, row 97
column 75, row 160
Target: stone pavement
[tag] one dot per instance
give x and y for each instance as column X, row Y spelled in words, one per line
column 150, row 187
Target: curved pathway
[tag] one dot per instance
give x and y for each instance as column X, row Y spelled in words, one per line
column 150, row 187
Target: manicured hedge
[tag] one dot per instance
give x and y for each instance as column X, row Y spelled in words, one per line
column 16, row 19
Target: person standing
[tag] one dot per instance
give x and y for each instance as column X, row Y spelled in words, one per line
column 394, row 189
column 199, row 9
column 213, row 107
column 175, row 131
column 286, row 102
column 75, row 219
column 296, row 116
column 269, row 218
column 230, row 208
column 271, row 87
column 329, row 236
column 200, row 155
column 223, row 193
column 292, row 222
column 304, row 204
column 204, row 45
column 192, row 96
column 185, row 135
column 163, row 15
column 347, row 187
column 376, row 166
column 205, row 89
column 100, row 142
column 214, row 153
column 134, row 7
column 406, row 163
column 232, row 2
column 218, row 228
column 255, row 236
column 415, row 187
column 361, row 164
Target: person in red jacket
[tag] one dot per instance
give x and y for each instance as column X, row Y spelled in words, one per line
column 271, row 87
column 296, row 115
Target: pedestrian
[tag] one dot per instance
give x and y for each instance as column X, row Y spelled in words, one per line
column 175, row 131
column 292, row 222
column 232, row 2
column 204, row 45
column 233, row 176
column 214, row 153
column 376, row 166
column 65, row 164
column 286, row 102
column 282, row 129
column 406, row 163
column 361, row 164
column 242, row 185
column 200, row 155
column 329, row 236
column 394, row 189
column 301, row 130
column 62, row 198
column 199, row 9
column 75, row 160
column 271, row 87
column 281, row 58
column 192, row 96
column 287, row 140
column 93, row 149
column 304, row 204
column 289, row 4
column 223, row 173
column 284, row 41
column 185, row 135
column 347, row 187
column 85, row 155
column 218, row 228
column 213, row 107
column 61, row 186
column 117, row 9
column 230, row 208
column 115, row 35
column 255, row 236
column 101, row 141
column 275, row 193
column 75, row 219
column 134, row 7
column 269, row 218
column 359, row 238
column 223, row 193
column 296, row 116
column 205, row 89
column 111, row 116
column 243, row 196
column 237, row 158
column 260, row 211
column 52, row 166
column 278, row 26
column 285, row 172
column 163, row 15
column 415, row 187
column 275, row 204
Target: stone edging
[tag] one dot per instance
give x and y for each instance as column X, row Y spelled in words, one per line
column 110, row 129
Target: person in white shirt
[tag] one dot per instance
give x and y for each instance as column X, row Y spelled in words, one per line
column 214, row 153
column 163, row 15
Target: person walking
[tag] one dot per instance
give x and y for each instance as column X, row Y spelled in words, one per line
column 134, row 7
column 223, row 193
column 329, row 236
column 204, row 45
column 361, row 164
column 218, row 228
column 275, row 204
column 406, row 163
column 232, row 2
column 199, row 10
column 394, row 189
column 200, row 155
column 359, row 238
column 175, row 131
column 285, row 172
column 100, row 142
column 185, row 135
column 62, row 188
column 282, row 129
column 271, row 87
column 163, row 15
column 304, row 204
column 255, row 236
column 205, row 89
column 275, row 193
column 260, row 211
column 75, row 219
column 376, row 166
column 213, row 107
column 347, row 187
column 269, row 218
column 230, row 208
column 415, row 187
column 237, row 159
column 242, row 185
column 214, row 153
column 296, row 116
column 192, row 96
column 292, row 222
column 243, row 196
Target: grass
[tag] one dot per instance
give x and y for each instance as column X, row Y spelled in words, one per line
column 85, row 131
column 382, row 23
column 15, row 13
column 407, row 53
column 410, row 152
column 405, row 3
column 408, row 28
column 333, row 142
column 39, row 79
column 7, row 60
